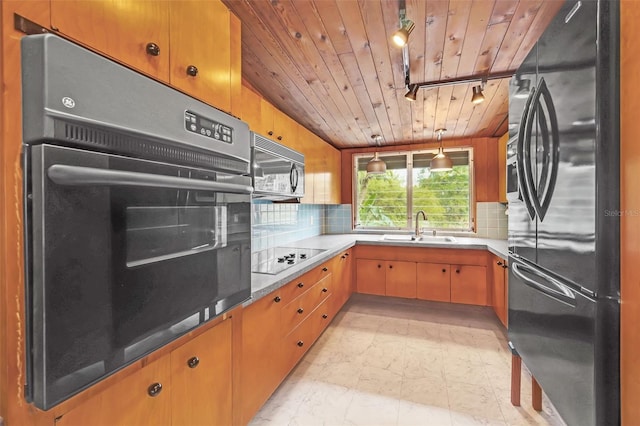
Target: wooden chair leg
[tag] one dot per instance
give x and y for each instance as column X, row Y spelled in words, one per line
column 536, row 395
column 516, row 367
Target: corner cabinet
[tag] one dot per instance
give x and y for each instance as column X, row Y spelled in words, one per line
column 187, row 44
column 190, row 385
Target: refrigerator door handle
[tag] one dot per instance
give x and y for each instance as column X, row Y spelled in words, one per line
column 557, row 290
column 524, row 143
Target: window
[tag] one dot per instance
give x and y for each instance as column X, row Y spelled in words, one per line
column 391, row 200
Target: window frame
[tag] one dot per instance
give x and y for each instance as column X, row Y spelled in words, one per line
column 410, row 220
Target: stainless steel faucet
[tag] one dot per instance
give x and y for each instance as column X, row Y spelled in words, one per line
column 424, row 216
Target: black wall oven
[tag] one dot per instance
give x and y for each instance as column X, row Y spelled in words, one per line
column 137, row 213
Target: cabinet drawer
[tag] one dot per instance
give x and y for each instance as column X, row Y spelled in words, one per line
column 300, row 308
column 303, row 283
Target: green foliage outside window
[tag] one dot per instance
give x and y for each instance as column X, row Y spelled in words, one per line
column 382, row 200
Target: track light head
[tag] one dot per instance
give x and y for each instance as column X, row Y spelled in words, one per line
column 477, row 97
column 401, row 37
column 413, row 91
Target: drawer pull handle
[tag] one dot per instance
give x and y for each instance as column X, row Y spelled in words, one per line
column 499, row 263
column 325, row 316
column 270, row 133
column 192, row 70
column 300, row 310
column 457, row 271
column 444, row 270
column 324, row 290
column 324, row 269
column 277, row 299
column 379, row 266
column 300, row 343
column 390, row 266
column 193, row 362
column 153, row 49
column 300, row 285
column 505, row 266
column 344, row 256
column 154, row 389
column 279, row 138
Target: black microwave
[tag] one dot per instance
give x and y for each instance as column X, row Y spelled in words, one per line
column 277, row 171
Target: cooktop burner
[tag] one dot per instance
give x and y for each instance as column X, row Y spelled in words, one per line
column 275, row 260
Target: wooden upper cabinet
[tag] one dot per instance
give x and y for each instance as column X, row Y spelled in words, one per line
column 267, row 112
column 286, row 130
column 201, row 380
column 129, row 401
column 200, row 55
column 251, row 109
column 133, row 32
column 334, row 176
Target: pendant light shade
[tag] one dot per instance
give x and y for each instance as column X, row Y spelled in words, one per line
column 477, row 97
column 441, row 162
column 376, row 166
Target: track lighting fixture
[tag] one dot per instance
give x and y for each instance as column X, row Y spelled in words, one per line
column 441, row 162
column 401, row 37
column 413, row 91
column 477, row 97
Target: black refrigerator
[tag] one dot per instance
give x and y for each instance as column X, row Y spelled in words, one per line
column 563, row 192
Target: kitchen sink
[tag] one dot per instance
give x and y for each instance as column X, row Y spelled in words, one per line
column 421, row 239
column 435, row 239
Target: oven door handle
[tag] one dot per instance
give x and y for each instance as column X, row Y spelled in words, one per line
column 88, row 176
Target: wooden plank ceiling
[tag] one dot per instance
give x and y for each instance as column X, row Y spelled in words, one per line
column 331, row 65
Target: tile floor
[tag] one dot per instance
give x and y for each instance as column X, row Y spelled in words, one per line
column 387, row 361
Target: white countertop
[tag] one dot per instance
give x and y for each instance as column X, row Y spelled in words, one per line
column 263, row 284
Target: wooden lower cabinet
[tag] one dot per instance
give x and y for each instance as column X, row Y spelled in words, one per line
column 175, row 389
column 278, row 329
column 201, row 379
column 443, row 275
column 433, row 282
column 400, row 279
column 469, row 284
column 263, row 367
column 371, row 276
column 128, row 401
column 500, row 288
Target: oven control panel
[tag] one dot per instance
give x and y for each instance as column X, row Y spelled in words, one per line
column 208, row 128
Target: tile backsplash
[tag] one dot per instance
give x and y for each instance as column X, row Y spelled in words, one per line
column 277, row 224
column 337, row 219
column 491, row 221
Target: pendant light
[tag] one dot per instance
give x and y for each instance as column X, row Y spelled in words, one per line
column 441, row 162
column 376, row 166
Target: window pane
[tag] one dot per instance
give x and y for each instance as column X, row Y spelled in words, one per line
column 382, row 199
column 444, row 196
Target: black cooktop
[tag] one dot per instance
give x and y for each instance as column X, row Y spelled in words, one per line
column 274, row 260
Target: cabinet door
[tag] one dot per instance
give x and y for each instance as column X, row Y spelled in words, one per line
column 251, row 109
column 401, row 279
column 201, row 50
column 285, row 130
column 262, row 357
column 469, row 284
column 267, row 112
column 502, row 168
column 433, row 282
column 342, row 280
column 499, row 294
column 129, row 401
column 334, row 176
column 371, row 276
column 126, row 30
column 201, row 381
